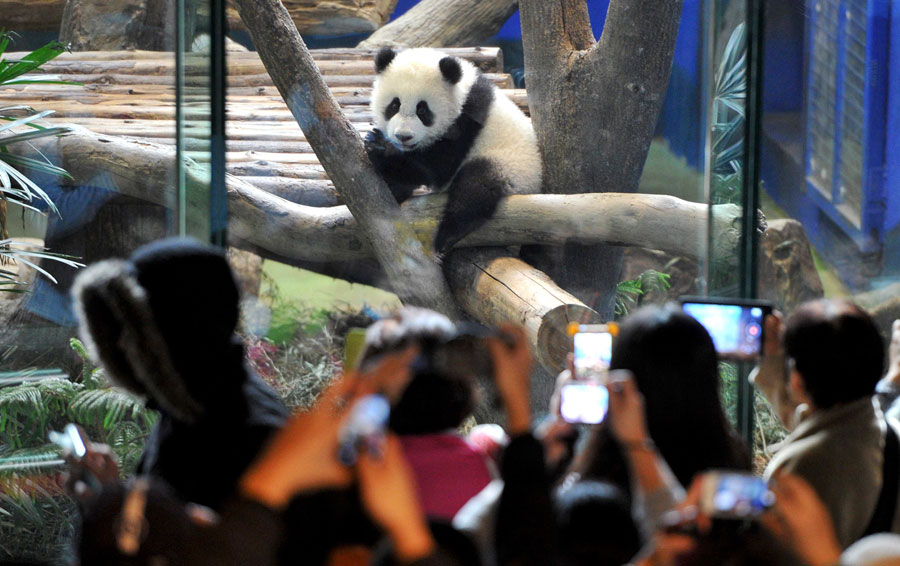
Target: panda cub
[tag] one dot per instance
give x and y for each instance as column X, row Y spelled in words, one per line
column 440, row 123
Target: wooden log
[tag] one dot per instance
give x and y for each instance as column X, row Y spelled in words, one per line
column 242, row 81
column 495, row 288
column 141, row 169
column 436, row 23
column 335, row 17
column 488, row 59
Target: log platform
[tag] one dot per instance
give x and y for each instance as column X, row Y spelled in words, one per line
column 132, row 93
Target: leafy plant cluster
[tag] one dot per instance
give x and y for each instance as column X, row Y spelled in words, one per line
column 35, row 515
column 630, row 293
column 15, row 186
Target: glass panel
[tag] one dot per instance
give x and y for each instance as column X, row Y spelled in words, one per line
column 120, row 189
column 829, row 156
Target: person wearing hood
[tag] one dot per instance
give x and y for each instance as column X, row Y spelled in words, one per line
column 162, row 325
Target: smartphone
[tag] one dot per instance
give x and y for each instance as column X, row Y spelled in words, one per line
column 583, row 402
column 734, row 495
column 592, row 351
column 70, row 441
column 735, row 325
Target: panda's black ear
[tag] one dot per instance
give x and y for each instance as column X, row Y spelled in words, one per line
column 383, row 58
column 450, row 69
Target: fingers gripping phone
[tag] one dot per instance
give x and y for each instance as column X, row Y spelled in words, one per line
column 735, row 325
column 586, row 398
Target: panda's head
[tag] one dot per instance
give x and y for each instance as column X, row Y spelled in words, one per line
column 418, row 94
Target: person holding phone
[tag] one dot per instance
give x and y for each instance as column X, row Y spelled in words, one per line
column 826, row 362
column 675, row 368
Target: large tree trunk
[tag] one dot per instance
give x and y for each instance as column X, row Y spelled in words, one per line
column 594, row 106
column 412, row 273
column 444, row 23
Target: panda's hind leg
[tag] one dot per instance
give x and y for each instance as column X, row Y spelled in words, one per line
column 472, row 199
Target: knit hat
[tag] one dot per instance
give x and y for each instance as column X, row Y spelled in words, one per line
column 162, row 322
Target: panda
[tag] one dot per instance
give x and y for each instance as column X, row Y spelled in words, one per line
column 440, row 123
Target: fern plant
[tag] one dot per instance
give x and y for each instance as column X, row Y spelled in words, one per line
column 35, row 517
column 630, row 292
column 28, row 412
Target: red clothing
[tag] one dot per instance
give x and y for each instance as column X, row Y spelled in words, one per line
column 448, row 471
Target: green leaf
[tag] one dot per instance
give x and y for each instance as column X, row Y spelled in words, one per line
column 34, row 135
column 32, row 61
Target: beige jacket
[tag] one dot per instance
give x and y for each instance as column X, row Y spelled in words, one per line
column 840, row 452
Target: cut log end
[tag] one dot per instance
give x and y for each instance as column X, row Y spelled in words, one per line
column 553, row 343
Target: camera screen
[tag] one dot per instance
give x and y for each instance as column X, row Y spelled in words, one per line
column 735, row 329
column 583, row 403
column 592, row 352
column 740, row 495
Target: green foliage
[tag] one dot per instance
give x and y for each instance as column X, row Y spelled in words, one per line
column 35, row 518
column 15, row 186
column 35, row 525
column 630, row 292
column 728, row 105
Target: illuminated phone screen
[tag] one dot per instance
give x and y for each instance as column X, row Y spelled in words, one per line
column 735, row 329
column 592, row 353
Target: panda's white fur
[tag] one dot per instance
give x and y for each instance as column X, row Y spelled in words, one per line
column 503, row 135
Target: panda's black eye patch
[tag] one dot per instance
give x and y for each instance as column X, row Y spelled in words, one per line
column 424, row 113
column 392, row 109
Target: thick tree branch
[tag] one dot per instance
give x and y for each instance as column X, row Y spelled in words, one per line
column 142, row 170
column 444, row 23
column 413, row 275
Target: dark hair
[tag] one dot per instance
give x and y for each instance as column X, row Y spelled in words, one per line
column 730, row 543
column 837, row 350
column 435, row 399
column 675, row 365
column 594, row 525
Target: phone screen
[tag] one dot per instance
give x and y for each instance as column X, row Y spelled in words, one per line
column 735, row 495
column 583, row 402
column 592, row 352
column 736, row 330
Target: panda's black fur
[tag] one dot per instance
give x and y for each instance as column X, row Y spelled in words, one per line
column 475, row 174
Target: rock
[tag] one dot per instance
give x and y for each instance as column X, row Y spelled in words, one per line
column 104, row 25
column 787, row 273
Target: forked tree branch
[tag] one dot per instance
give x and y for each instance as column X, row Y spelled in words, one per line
column 412, row 273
